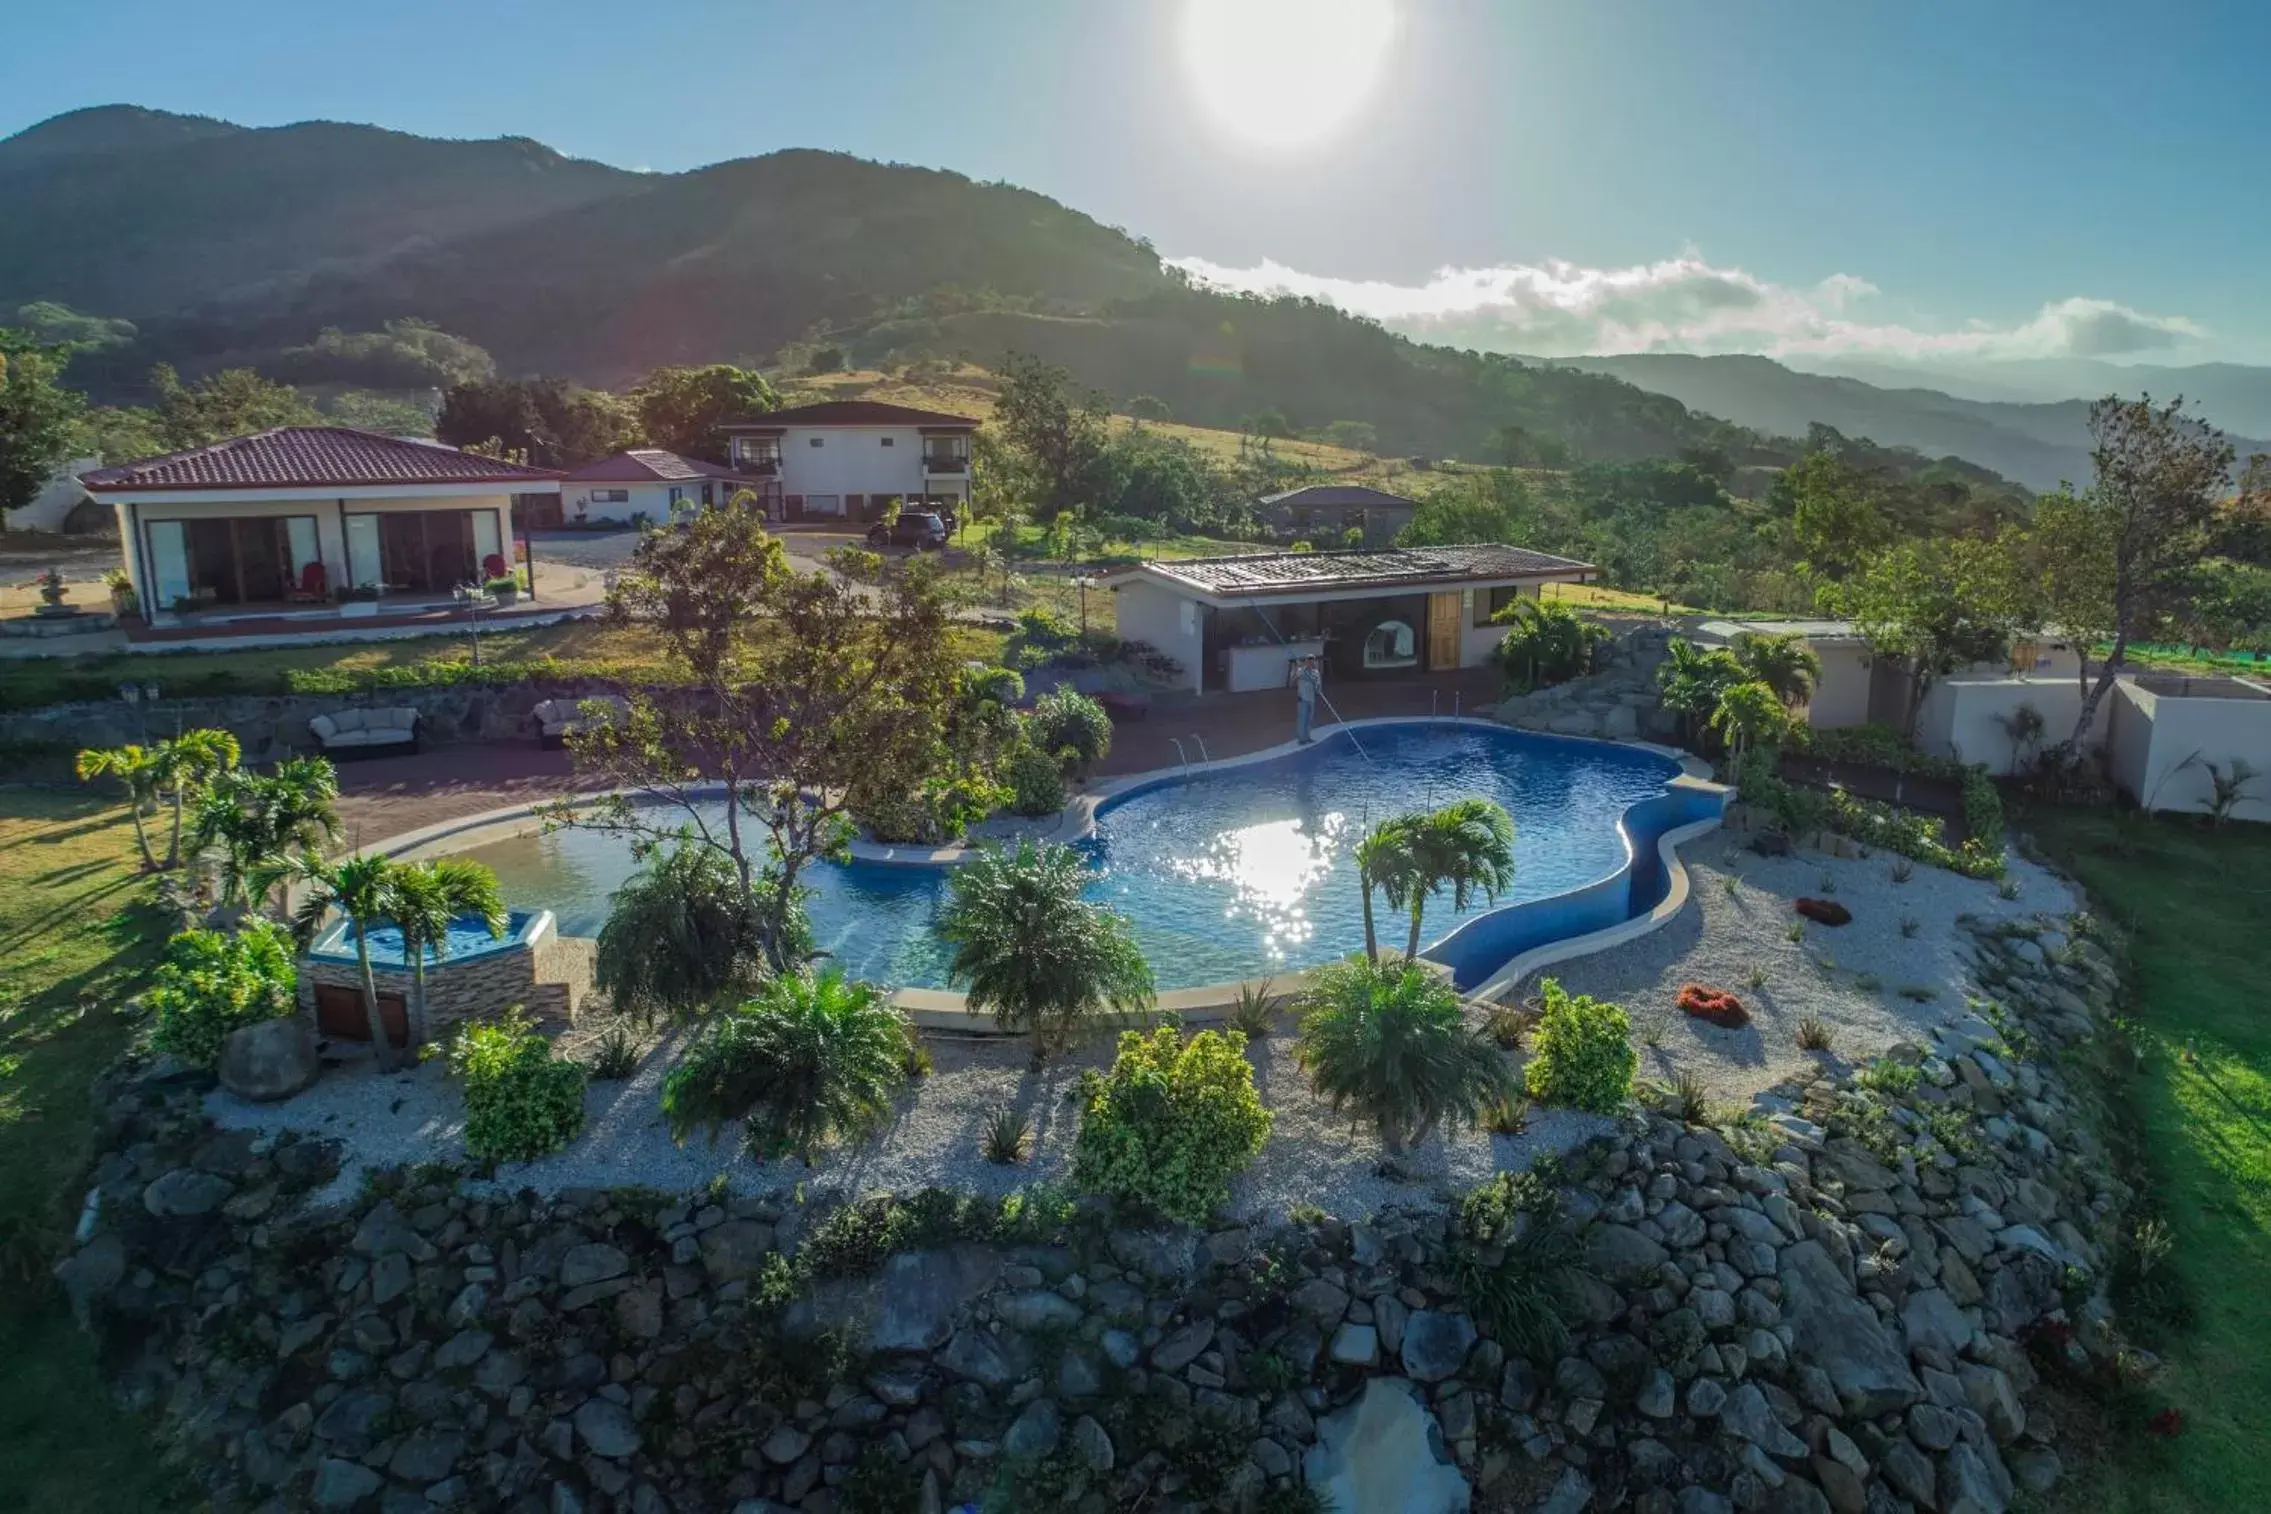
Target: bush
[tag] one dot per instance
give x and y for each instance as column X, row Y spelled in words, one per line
column 1582, row 1052
column 1036, row 781
column 1041, row 636
column 678, row 938
column 520, row 1102
column 1389, row 1039
column 1066, row 719
column 806, row 1060
column 212, row 983
column 1172, row 1123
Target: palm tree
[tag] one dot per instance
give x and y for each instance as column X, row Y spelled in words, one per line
column 1390, row 1041
column 1691, row 679
column 1545, row 643
column 1384, row 861
column 1031, row 950
column 1749, row 714
column 680, row 936
column 1468, row 845
column 424, row 899
column 136, row 768
column 260, row 823
column 191, row 763
column 359, row 887
column 1784, row 663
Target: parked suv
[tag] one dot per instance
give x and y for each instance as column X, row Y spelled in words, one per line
column 919, row 529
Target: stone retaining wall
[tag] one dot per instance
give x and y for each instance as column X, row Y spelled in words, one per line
column 548, row 979
column 1618, row 702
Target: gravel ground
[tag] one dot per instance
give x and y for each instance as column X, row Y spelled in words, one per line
column 1849, row 977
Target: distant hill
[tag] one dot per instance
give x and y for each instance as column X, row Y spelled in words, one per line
column 225, row 244
column 2038, row 444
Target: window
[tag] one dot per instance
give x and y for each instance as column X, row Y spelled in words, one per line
column 1391, row 644
column 890, row 441
column 610, row 496
column 1487, row 606
column 817, row 441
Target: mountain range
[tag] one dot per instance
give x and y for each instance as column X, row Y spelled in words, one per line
column 227, row 244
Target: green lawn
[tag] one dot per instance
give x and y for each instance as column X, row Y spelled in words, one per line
column 76, row 935
column 2198, row 904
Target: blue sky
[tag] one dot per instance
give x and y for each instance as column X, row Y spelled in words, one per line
column 1924, row 179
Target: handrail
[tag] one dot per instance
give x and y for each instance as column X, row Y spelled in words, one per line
column 1180, row 753
column 1201, row 740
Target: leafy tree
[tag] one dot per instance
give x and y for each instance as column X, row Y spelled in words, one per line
column 2065, row 558
column 1065, row 719
column 1356, row 436
column 60, row 326
column 408, row 354
column 1390, row 1042
column 232, row 402
column 1545, row 644
column 39, row 418
column 1466, row 846
column 119, row 433
column 1150, row 407
column 1501, row 507
column 550, row 422
column 806, row 1060
column 1784, row 663
column 1030, row 950
column 1269, row 424
column 424, row 899
column 259, row 823
column 1834, row 514
column 520, row 1101
column 361, row 888
column 1516, row 446
column 1056, row 435
column 680, row 936
column 1940, row 605
column 809, row 697
column 2160, row 474
column 680, row 409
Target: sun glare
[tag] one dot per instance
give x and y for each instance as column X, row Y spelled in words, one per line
column 1283, row 74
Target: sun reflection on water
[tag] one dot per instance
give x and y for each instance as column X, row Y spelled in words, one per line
column 1272, row 870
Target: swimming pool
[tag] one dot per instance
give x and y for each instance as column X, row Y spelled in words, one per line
column 1247, row 869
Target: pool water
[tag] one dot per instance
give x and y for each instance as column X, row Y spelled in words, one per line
column 1234, row 873
column 467, row 937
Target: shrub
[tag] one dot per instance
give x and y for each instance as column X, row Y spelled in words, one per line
column 1814, row 1034
column 614, row 1056
column 679, row 937
column 1256, row 1011
column 1036, row 779
column 1888, row 1077
column 520, row 1102
column 1171, row 1123
column 1008, row 1137
column 1516, row 1264
column 212, row 983
column 1389, row 1040
column 1582, row 1052
column 806, row 1059
column 1068, row 720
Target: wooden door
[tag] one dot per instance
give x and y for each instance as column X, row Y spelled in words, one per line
column 1443, row 625
column 339, row 1015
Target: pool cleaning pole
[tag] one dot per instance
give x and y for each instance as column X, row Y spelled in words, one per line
column 1346, row 729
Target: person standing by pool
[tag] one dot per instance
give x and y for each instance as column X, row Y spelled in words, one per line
column 1305, row 684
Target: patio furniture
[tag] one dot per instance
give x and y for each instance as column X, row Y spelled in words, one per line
column 312, row 588
column 492, row 566
column 558, row 719
column 365, row 733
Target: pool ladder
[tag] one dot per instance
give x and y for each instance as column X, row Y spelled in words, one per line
column 1435, row 704
column 1177, row 742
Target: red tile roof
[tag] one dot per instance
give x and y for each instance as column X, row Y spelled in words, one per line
column 301, row 457
column 853, row 413
column 643, row 465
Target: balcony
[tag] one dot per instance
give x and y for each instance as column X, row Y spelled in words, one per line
column 945, row 462
column 764, row 466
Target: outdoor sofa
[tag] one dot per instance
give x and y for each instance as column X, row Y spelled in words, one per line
column 558, row 719
column 364, row 733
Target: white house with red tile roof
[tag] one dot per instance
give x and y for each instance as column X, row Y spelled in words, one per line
column 303, row 518
column 645, row 482
column 853, row 459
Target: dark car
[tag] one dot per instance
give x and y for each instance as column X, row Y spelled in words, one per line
column 919, row 529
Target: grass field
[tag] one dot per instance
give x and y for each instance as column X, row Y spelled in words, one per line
column 2197, row 904
column 76, row 935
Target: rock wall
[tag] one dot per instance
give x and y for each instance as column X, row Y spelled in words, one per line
column 270, row 728
column 1618, row 701
column 549, row 979
column 1843, row 1305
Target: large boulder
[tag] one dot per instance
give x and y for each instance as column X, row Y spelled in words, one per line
column 1841, row 1335
column 269, row 1061
column 1385, row 1451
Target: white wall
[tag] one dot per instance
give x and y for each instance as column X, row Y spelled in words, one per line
column 855, row 460
column 2186, row 734
column 651, row 499
column 1175, row 625
column 1841, row 696
column 1962, row 716
column 51, row 504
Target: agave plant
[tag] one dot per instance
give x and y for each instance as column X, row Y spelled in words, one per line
column 1389, row 1042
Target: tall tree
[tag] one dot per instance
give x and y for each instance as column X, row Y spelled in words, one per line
column 261, row 824
column 39, row 418
column 1784, row 664
column 1941, row 606
column 808, row 697
column 424, row 899
column 1467, row 846
column 140, row 773
column 1057, row 433
column 2064, row 555
column 359, row 887
column 2160, row 474
column 231, row 402
column 550, row 422
column 1835, row 515
column 192, row 762
column 680, row 409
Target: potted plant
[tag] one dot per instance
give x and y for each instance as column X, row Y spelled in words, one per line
column 123, row 600
column 504, row 589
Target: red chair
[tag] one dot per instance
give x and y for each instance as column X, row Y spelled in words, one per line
column 313, row 589
column 492, row 566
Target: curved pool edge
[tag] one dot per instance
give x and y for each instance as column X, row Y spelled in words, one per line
column 944, row 1010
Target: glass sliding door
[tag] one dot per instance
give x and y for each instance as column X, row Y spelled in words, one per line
column 169, row 563
column 363, row 550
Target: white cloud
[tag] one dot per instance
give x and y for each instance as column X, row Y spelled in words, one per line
column 1684, row 304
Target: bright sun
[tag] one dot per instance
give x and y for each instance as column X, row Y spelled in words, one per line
column 1286, row 73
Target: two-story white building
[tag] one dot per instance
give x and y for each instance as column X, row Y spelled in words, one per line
column 853, row 459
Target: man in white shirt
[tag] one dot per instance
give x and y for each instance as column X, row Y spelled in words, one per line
column 1306, row 680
